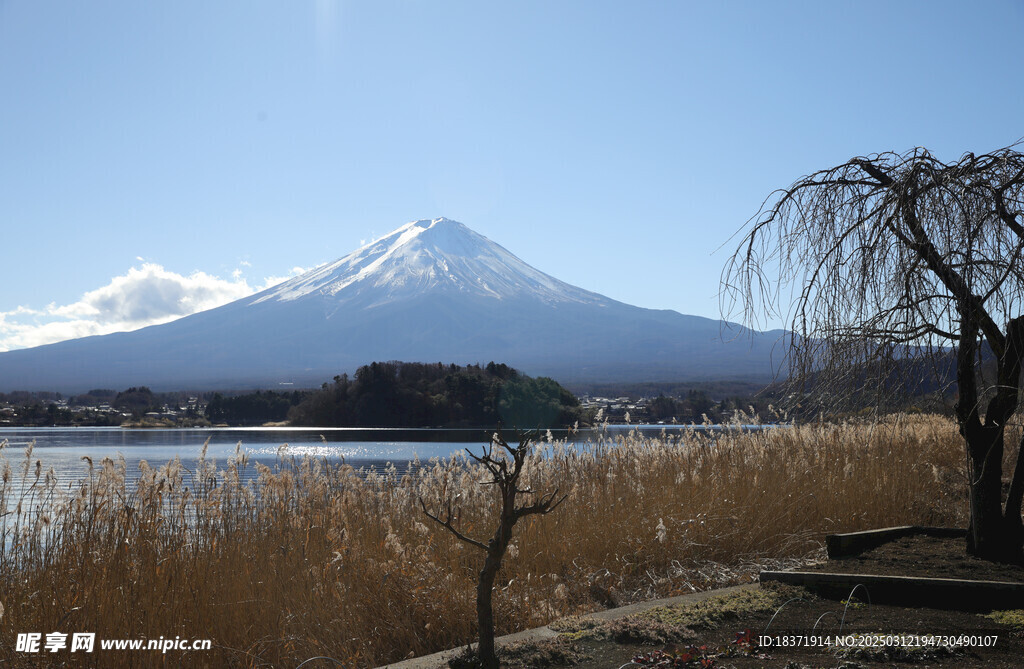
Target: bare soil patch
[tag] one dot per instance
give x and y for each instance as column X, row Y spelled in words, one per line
column 729, row 631
column 926, row 556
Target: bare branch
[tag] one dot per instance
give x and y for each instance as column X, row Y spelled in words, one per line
column 544, row 506
column 447, row 524
column 900, row 264
column 888, row 253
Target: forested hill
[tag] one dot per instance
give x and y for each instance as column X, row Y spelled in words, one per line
column 406, row 394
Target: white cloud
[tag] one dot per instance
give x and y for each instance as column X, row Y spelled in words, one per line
column 146, row 295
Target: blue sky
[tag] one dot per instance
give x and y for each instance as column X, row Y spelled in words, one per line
column 157, row 158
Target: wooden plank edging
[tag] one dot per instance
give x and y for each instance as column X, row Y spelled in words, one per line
column 938, row 593
column 854, row 543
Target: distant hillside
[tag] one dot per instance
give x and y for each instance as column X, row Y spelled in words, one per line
column 397, row 394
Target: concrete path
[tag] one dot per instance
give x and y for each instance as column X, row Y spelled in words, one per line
column 440, row 660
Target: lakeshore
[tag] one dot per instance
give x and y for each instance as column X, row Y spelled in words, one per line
column 347, row 566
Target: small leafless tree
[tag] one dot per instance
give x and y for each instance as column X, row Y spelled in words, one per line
column 505, row 468
column 891, row 262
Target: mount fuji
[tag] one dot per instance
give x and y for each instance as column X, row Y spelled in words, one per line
column 433, row 290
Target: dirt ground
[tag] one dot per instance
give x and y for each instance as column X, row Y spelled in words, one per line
column 779, row 626
column 922, row 555
column 818, row 633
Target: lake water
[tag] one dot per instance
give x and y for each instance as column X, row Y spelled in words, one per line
column 63, row 448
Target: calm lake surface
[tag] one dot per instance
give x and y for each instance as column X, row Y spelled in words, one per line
column 63, row 448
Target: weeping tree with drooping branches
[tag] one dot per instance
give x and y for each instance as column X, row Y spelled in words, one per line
column 893, row 265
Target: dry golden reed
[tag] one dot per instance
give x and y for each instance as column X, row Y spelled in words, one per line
column 316, row 560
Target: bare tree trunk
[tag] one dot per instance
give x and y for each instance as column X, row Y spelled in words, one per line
column 994, row 534
column 1015, row 355
column 485, row 611
column 1014, row 499
column 496, row 548
column 987, row 534
column 506, row 479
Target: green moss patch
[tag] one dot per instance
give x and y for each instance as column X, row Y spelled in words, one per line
column 1013, row 618
column 548, row 653
column 901, row 654
column 574, row 625
column 714, row 611
column 631, row 629
column 533, row 654
column 675, row 624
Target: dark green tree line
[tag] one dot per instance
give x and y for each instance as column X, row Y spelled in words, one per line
column 402, row 394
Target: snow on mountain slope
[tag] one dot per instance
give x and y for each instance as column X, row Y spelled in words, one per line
column 425, row 256
column 431, row 291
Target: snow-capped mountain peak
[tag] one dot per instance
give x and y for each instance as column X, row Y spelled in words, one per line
column 431, row 291
column 429, row 255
